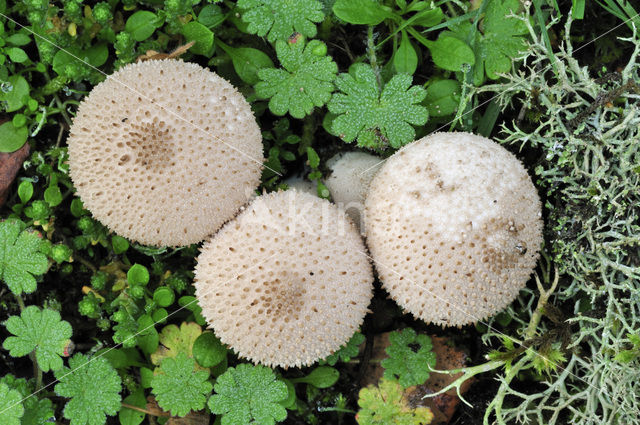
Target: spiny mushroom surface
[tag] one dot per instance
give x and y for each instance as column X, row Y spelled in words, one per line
column 287, row 282
column 454, row 227
column 164, row 152
column 351, row 175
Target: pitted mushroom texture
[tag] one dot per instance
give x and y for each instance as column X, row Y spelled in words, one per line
column 287, row 282
column 165, row 152
column 454, row 227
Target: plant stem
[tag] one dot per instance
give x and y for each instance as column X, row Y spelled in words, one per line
column 373, row 60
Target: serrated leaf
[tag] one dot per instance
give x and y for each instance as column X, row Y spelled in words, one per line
column 37, row 412
column 376, row 119
column 279, row 19
column 93, row 387
column 180, row 388
column 41, row 331
column 175, row 340
column 20, row 257
column 304, row 81
column 11, row 409
column 410, row 357
column 386, row 404
column 249, row 393
column 500, row 40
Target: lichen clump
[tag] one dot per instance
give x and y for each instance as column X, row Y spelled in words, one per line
column 454, row 226
column 287, row 282
column 164, row 152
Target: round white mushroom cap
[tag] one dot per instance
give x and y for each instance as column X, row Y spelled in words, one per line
column 165, row 152
column 287, row 282
column 351, row 174
column 454, row 227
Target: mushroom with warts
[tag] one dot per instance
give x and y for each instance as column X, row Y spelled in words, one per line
column 287, row 282
column 164, row 152
column 453, row 223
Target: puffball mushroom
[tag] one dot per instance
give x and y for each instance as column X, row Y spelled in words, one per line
column 164, row 152
column 453, row 223
column 351, row 174
column 287, row 282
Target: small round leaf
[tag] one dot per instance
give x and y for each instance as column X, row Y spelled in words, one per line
column 208, row 350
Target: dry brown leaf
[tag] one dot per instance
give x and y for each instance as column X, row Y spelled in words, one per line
column 10, row 164
column 178, row 51
column 200, row 417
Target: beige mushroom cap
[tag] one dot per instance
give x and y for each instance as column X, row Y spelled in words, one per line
column 287, row 282
column 165, row 152
column 351, row 174
column 454, row 227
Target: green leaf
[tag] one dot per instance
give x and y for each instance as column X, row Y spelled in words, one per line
column 16, row 54
column 12, row 138
column 11, row 409
column 18, row 39
column 142, row 24
column 305, row 81
column 428, row 17
column 313, row 158
column 95, row 56
column 499, row 42
column 20, row 257
column 93, row 386
column 442, row 98
column 164, row 296
column 320, row 377
column 247, row 62
column 194, row 31
column 626, row 356
column 138, row 275
column 16, row 97
column 175, row 340
column 37, row 412
column 120, row 245
column 347, row 351
column 178, row 387
column 405, row 59
column 361, row 12
column 410, row 357
column 41, row 331
column 451, row 53
column 376, row 119
column 279, row 19
column 211, row 16
column 208, row 350
column 386, row 404
column 25, row 191
column 52, row 195
column 148, row 339
column 249, row 394
column 129, row 416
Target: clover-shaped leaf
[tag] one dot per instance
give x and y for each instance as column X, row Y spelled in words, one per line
column 20, row 258
column 249, row 394
column 306, row 80
column 386, row 404
column 376, row 118
column 41, row 331
column 410, row 357
column 93, row 386
column 281, row 18
column 11, row 409
column 347, row 351
column 175, row 340
column 179, row 387
column 500, row 40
